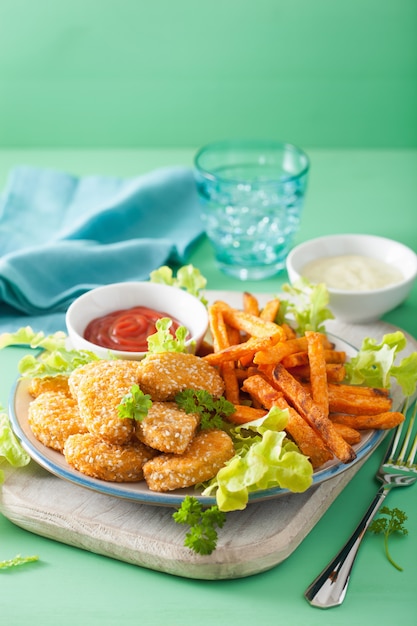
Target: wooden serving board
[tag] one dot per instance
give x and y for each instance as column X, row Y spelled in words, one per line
column 252, row 541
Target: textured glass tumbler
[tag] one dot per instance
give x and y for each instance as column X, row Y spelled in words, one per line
column 252, row 194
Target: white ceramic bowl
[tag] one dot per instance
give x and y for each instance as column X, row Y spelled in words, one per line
column 175, row 302
column 359, row 306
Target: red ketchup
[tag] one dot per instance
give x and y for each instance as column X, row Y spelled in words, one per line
column 127, row 329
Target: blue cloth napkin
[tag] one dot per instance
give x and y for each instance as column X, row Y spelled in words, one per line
column 61, row 235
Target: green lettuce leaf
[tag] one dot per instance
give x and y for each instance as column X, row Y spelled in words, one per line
column 265, row 459
column 188, row 278
column 54, row 357
column 374, row 365
column 164, row 341
column 10, row 449
column 25, row 336
column 308, row 306
column 406, row 374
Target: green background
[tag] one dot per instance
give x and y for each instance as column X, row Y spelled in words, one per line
column 152, row 81
column 172, row 73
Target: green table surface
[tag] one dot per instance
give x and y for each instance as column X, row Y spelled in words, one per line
column 349, row 191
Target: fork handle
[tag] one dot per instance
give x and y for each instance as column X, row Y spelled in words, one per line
column 329, row 588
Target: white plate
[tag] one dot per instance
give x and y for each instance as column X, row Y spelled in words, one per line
column 55, row 462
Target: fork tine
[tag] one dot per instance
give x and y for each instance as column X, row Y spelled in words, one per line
column 411, row 456
column 390, row 453
column 390, row 457
column 407, row 438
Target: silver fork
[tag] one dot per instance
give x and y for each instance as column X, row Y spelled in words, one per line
column 329, row 588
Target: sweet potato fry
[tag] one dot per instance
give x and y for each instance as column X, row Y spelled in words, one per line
column 335, row 372
column 351, row 435
column 298, row 429
column 381, row 421
column 357, row 403
column 221, row 341
column 289, row 332
column 360, row 390
column 301, row 400
column 270, row 310
column 280, row 350
column 318, row 374
column 296, row 359
column 245, row 414
column 285, row 348
column 234, row 353
column 246, row 360
column 218, row 328
column 231, row 383
column 335, row 356
column 233, row 335
column 242, row 373
column 301, row 358
column 260, row 389
column 306, row 438
column 250, row 324
column 250, row 304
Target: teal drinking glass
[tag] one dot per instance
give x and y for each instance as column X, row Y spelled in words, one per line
column 252, row 195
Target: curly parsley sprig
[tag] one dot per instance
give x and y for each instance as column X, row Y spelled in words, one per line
column 202, row 535
column 211, row 410
column 135, row 404
column 393, row 522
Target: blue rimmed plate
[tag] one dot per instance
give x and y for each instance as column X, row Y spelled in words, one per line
column 55, row 463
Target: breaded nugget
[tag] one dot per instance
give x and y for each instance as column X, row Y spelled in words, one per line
column 94, row 457
column 163, row 375
column 204, row 457
column 39, row 385
column 76, row 375
column 100, row 390
column 167, row 428
column 53, row 417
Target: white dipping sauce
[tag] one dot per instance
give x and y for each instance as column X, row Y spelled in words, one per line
column 351, row 272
